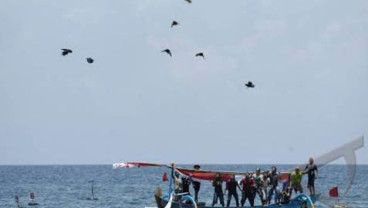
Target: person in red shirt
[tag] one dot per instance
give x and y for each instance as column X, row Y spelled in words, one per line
column 247, row 185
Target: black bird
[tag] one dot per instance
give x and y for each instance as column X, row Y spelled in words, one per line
column 174, row 23
column 189, row 1
column 90, row 60
column 167, row 51
column 200, row 54
column 66, row 51
column 249, row 84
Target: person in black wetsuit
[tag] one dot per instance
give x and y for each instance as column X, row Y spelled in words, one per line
column 247, row 184
column 231, row 186
column 312, row 171
column 218, row 193
column 285, row 194
column 185, row 184
column 196, row 184
column 274, row 177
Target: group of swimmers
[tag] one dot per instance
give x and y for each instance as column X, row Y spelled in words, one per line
column 264, row 184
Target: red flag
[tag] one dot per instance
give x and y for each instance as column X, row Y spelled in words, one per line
column 334, row 192
column 164, row 177
column 284, row 177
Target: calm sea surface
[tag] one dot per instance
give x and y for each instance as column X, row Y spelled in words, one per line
column 69, row 186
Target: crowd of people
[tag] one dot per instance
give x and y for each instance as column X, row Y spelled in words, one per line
column 267, row 185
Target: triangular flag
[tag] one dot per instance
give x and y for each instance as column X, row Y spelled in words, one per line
column 334, row 192
column 164, row 177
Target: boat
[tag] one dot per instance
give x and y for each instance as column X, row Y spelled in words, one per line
column 184, row 200
column 300, row 201
column 32, row 201
column 172, row 200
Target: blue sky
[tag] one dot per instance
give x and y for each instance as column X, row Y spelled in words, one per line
column 308, row 60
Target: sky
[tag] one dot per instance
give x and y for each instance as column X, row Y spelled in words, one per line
column 307, row 59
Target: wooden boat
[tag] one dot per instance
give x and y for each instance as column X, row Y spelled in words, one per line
column 172, row 200
column 32, row 200
column 300, row 201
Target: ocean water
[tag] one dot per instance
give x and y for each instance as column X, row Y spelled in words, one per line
column 68, row 186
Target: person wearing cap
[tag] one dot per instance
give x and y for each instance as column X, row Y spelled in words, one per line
column 296, row 181
column 196, row 184
column 312, row 171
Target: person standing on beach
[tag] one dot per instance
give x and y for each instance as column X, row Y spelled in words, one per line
column 312, row 171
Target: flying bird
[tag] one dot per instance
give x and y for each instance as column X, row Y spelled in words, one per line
column 66, row 51
column 200, row 54
column 249, row 84
column 174, row 23
column 90, row 60
column 167, row 51
column 189, row 1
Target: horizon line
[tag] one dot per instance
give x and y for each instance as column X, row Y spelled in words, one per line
column 103, row 164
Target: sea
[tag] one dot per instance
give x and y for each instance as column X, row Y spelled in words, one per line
column 69, row 186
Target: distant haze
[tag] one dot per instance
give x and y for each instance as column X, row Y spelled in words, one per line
column 307, row 59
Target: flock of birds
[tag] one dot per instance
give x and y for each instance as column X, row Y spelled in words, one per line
column 66, row 51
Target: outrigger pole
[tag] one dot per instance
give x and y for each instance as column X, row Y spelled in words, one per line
column 171, row 189
column 198, row 174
